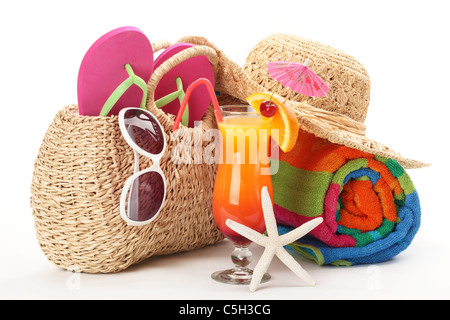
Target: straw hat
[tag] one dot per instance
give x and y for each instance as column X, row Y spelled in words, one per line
column 339, row 117
column 349, row 92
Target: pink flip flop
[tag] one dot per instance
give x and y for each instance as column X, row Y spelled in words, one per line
column 175, row 82
column 111, row 66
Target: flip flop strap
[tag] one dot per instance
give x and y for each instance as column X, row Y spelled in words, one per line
column 122, row 88
column 161, row 102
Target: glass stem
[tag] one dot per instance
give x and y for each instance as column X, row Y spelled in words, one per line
column 241, row 257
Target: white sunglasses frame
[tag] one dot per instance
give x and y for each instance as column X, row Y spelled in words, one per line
column 155, row 167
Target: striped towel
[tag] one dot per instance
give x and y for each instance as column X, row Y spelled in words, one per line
column 370, row 206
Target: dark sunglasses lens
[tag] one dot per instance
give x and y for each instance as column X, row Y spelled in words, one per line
column 146, row 196
column 144, row 130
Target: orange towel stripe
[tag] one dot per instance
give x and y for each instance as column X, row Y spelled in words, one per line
column 322, row 155
column 362, row 209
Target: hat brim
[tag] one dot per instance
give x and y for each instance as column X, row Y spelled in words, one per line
column 234, row 82
column 349, row 137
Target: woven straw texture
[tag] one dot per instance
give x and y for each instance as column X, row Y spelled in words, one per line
column 78, row 177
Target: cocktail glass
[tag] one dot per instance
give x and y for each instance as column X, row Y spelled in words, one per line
column 242, row 172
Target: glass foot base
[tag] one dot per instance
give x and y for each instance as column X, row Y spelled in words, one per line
column 237, row 276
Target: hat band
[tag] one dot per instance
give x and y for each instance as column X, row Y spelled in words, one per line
column 328, row 119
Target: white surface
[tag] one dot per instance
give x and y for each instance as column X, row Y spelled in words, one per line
column 404, row 46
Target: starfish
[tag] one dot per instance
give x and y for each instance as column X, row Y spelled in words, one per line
column 274, row 243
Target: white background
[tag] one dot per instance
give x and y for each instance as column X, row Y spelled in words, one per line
column 403, row 45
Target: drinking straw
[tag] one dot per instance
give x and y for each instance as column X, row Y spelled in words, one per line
column 189, row 90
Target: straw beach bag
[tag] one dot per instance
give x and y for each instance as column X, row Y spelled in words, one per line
column 78, row 177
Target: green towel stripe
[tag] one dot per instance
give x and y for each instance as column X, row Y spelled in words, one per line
column 364, row 238
column 309, row 252
column 406, row 184
column 341, row 263
column 395, row 168
column 313, row 185
column 380, row 158
column 400, row 198
column 399, row 173
column 350, row 166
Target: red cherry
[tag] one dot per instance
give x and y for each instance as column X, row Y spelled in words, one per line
column 268, row 108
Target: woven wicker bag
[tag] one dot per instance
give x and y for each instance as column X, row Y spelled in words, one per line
column 79, row 174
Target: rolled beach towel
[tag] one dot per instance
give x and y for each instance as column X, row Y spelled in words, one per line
column 370, row 206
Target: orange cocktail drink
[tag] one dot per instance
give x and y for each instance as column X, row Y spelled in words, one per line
column 242, row 172
column 244, row 169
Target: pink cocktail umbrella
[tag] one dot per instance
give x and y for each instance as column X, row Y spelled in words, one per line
column 298, row 77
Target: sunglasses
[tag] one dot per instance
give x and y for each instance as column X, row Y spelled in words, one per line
column 144, row 192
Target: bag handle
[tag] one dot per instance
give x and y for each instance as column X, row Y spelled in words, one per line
column 170, row 63
column 161, row 44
